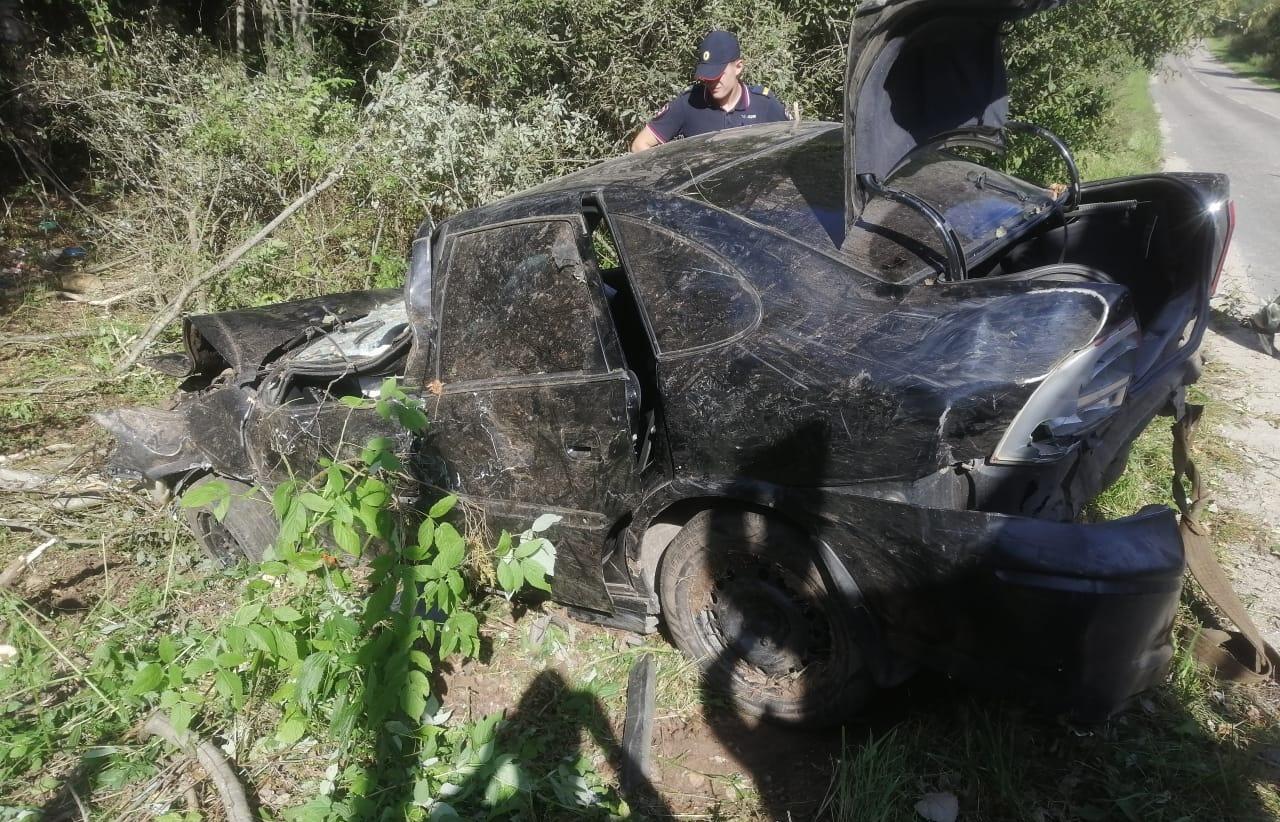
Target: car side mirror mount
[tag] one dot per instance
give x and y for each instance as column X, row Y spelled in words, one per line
column 956, row 267
column 417, row 301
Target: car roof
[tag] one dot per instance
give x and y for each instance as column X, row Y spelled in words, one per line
column 681, row 163
column 785, row 177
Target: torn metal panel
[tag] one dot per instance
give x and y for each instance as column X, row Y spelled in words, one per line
column 247, row 339
column 151, row 443
column 205, row 431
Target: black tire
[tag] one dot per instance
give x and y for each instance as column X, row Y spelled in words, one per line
column 743, row 596
column 243, row 534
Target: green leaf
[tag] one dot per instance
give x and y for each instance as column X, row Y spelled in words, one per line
column 534, row 576
column 443, row 506
column 465, row 623
column 282, row 498
column 146, row 679
column 376, row 449
column 286, row 613
column 311, row 678
column 315, row 502
column 199, row 667
column 166, row 649
column 230, row 686
column 426, row 534
column 291, row 729
column 235, row 637
column 443, row 812
column 246, row 613
column 292, row 525
column 286, row 645
column 379, row 603
column 413, row 699
column 334, row 481
column 354, row 402
column 422, row 795
column 544, row 522
column 507, row 577
column 411, row 417
column 263, row 638
column 205, row 494
column 529, row 547
column 342, row 511
column 506, row 782
column 450, row 547
column 421, row 660
column 180, row 716
column 230, row 660
column 504, row 544
column 373, row 492
column 306, row 561
column 346, row 537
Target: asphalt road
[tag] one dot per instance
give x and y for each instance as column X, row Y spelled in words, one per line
column 1214, row 120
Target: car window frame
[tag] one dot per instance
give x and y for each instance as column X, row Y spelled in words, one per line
column 616, row 226
column 606, row 335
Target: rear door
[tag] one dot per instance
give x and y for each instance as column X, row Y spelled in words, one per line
column 534, row 405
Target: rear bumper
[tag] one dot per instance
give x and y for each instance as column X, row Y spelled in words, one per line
column 1073, row 618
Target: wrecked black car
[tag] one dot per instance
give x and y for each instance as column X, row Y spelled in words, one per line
column 828, row 400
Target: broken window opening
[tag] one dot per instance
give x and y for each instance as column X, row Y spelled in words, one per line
column 637, row 350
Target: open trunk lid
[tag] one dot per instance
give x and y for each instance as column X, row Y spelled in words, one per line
column 919, row 71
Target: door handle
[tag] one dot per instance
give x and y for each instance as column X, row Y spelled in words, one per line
column 582, row 445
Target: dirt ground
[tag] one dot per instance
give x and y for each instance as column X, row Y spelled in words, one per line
column 1243, row 376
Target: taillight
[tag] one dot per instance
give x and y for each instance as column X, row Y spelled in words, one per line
column 1076, row 397
column 1226, row 242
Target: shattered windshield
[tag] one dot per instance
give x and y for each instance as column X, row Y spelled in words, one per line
column 799, row 190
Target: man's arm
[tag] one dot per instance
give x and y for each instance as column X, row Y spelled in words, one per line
column 645, row 140
column 666, row 125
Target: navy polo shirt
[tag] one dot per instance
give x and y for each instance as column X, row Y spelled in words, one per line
column 693, row 112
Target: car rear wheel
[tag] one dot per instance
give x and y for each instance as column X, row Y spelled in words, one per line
column 243, row 534
column 744, row 597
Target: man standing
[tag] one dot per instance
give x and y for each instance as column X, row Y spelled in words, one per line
column 718, row 100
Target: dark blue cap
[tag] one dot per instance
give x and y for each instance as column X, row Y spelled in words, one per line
column 717, row 49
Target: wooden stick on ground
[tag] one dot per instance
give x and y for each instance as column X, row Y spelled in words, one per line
column 16, row 568
column 211, row 759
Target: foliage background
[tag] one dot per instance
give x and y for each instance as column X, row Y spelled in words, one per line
column 197, row 129
column 1252, row 36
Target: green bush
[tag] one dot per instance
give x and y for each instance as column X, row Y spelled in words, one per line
column 1254, row 36
column 200, row 146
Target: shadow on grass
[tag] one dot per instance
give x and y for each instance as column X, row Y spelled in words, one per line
column 1188, row 749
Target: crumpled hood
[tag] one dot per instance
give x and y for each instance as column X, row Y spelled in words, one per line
column 247, row 339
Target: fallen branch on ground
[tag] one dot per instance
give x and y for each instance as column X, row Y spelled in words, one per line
column 20, row 525
column 19, row 566
column 19, row 339
column 230, row 259
column 104, row 302
column 38, row 451
column 16, row 479
column 211, row 759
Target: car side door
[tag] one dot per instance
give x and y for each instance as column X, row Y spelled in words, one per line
column 534, row 406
